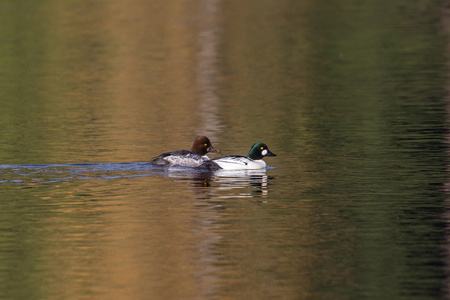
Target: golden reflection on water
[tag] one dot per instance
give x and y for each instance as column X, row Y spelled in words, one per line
column 120, row 247
column 133, row 72
column 207, row 70
column 161, row 242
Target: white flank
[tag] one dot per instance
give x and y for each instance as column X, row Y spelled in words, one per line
column 240, row 163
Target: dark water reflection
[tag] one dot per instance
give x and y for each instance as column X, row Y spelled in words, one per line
column 352, row 97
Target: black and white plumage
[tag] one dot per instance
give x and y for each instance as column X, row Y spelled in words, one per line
column 252, row 161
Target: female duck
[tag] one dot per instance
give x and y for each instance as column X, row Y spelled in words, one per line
column 194, row 158
column 252, row 161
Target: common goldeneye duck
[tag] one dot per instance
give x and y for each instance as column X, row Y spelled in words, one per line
column 252, row 161
column 194, row 158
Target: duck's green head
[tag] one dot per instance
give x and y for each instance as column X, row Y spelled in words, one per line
column 258, row 151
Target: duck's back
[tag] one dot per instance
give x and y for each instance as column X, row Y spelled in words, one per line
column 182, row 158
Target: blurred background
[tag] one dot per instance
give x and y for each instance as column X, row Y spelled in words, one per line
column 353, row 97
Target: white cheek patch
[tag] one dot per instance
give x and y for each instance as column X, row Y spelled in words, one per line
column 264, row 152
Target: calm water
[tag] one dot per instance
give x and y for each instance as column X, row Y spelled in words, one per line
column 352, row 97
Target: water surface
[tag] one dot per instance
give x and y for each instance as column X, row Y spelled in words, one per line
column 352, row 97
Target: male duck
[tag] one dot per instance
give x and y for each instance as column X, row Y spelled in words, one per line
column 194, row 158
column 252, row 161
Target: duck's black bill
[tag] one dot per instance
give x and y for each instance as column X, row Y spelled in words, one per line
column 270, row 153
column 212, row 149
